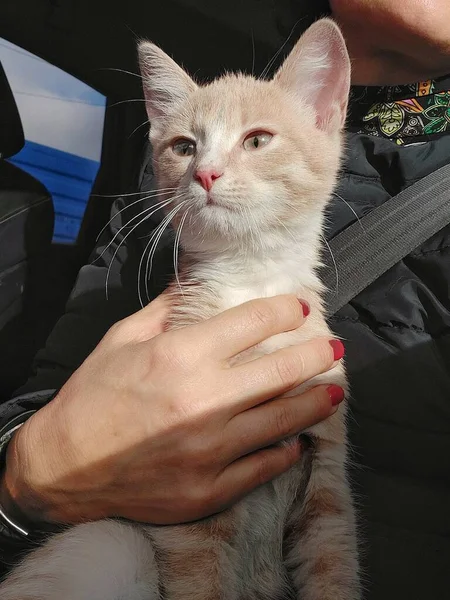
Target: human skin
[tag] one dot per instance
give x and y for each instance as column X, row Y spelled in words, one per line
column 158, row 427
column 392, row 43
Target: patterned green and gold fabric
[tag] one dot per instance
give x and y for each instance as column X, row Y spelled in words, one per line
column 407, row 114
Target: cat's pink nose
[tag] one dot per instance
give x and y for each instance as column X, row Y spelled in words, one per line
column 207, row 177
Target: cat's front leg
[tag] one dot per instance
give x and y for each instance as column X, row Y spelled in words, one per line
column 106, row 560
column 321, row 531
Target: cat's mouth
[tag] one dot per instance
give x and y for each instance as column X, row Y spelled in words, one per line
column 215, row 201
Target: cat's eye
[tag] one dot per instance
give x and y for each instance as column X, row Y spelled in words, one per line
column 184, row 147
column 257, row 140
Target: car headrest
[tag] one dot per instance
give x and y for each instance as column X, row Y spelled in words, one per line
column 11, row 131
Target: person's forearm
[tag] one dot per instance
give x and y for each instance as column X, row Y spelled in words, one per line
column 395, row 42
column 17, row 517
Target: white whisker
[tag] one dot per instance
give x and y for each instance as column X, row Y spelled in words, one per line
column 244, row 212
column 334, row 263
column 151, row 254
column 176, row 249
column 258, row 231
column 158, row 232
column 147, row 216
column 348, row 205
column 154, row 208
column 147, row 122
column 277, row 54
column 133, row 193
column 121, row 71
column 129, row 206
column 287, row 230
column 126, row 101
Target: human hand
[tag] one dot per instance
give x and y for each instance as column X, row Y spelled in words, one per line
column 158, row 427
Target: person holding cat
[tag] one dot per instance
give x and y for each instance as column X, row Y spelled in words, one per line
column 396, row 336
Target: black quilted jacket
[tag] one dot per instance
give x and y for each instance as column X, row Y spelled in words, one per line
column 398, row 353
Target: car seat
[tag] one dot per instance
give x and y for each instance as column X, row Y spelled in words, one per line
column 26, row 228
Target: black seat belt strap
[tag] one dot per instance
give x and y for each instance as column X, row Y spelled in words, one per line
column 371, row 246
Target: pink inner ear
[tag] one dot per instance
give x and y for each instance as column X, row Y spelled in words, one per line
column 331, row 102
column 318, row 71
column 333, row 85
column 165, row 83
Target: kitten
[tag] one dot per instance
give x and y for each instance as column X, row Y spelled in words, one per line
column 256, row 162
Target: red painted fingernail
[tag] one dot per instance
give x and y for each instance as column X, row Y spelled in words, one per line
column 305, row 307
column 338, row 349
column 336, row 394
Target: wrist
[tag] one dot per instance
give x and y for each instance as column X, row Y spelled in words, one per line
column 45, row 476
column 18, row 498
column 25, row 490
column 11, row 514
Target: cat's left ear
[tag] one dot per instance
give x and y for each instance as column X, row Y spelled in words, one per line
column 318, row 72
column 166, row 85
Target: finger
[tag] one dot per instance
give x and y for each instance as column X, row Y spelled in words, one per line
column 243, row 326
column 283, row 417
column 160, row 305
column 144, row 324
column 281, row 371
column 250, row 472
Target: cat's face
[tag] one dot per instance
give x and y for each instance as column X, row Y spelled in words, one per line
column 249, row 158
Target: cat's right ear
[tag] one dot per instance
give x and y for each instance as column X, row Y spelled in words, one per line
column 166, row 85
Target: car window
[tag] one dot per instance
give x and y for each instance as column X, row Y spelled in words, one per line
column 63, row 120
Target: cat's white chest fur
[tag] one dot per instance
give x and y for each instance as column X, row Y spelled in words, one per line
column 221, row 285
column 262, row 281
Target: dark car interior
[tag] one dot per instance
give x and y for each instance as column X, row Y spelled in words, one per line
column 96, row 41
